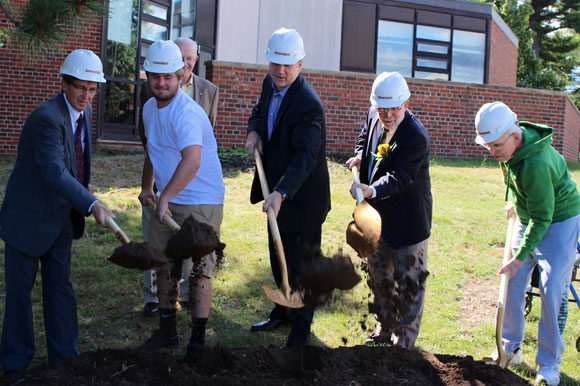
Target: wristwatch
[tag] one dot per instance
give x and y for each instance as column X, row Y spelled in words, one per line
column 284, row 195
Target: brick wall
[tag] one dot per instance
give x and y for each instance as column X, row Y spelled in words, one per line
column 27, row 84
column 572, row 133
column 503, row 59
column 447, row 109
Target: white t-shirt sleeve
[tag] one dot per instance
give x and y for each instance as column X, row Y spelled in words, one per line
column 186, row 133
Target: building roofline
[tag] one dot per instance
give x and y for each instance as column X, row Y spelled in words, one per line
column 496, row 17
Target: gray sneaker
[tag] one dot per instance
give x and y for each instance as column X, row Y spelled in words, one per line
column 549, row 375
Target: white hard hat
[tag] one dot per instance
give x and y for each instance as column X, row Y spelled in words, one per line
column 83, row 65
column 163, row 57
column 389, row 90
column 285, row 47
column 492, row 120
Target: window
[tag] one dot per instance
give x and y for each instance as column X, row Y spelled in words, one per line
column 395, row 47
column 468, row 57
column 121, row 63
column 426, row 44
column 432, row 53
column 183, row 21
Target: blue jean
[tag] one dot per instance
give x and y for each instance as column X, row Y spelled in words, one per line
column 555, row 257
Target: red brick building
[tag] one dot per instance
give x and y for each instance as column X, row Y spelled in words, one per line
column 447, row 109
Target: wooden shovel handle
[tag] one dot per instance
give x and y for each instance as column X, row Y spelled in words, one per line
column 167, row 220
column 503, row 356
column 273, row 224
column 359, row 196
column 507, row 256
column 117, row 229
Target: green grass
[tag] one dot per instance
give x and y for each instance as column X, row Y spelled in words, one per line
column 465, row 251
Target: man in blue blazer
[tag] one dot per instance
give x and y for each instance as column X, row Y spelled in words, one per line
column 392, row 153
column 288, row 127
column 47, row 197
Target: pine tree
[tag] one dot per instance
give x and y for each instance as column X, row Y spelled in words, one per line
column 549, row 42
column 42, row 25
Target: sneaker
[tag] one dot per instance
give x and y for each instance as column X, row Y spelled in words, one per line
column 159, row 340
column 549, row 375
column 515, row 360
column 151, row 309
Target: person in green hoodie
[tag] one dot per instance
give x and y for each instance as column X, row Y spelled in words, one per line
column 546, row 201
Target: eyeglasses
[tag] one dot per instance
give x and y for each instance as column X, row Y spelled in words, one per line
column 384, row 110
column 498, row 146
column 83, row 89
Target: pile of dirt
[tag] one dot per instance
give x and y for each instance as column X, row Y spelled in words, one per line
column 358, row 365
column 138, row 255
column 321, row 275
column 195, row 239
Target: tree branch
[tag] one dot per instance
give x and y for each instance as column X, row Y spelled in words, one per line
column 14, row 21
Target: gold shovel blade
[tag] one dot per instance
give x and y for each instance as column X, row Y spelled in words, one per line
column 368, row 221
column 364, row 233
column 292, row 300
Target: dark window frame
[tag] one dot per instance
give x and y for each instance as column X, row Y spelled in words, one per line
column 400, row 12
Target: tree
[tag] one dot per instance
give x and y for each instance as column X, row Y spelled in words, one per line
column 43, row 24
column 549, row 41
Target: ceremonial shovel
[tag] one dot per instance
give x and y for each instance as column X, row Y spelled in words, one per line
column 283, row 295
column 503, row 356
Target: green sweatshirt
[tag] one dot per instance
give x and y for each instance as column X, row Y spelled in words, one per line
column 539, row 186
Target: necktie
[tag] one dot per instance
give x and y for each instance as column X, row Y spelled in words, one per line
column 382, row 139
column 79, row 151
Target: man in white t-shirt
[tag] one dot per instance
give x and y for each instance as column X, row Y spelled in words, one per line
column 181, row 159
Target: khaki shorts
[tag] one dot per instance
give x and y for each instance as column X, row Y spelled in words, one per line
column 212, row 215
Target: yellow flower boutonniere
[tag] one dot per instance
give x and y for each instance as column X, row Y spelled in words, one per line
column 383, row 151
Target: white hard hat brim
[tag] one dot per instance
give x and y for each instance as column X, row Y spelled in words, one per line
column 387, row 104
column 162, row 69
column 279, row 59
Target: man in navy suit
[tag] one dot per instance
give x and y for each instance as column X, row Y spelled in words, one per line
column 47, row 197
column 288, row 127
column 392, row 153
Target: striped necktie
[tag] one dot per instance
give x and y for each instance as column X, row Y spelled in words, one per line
column 79, row 151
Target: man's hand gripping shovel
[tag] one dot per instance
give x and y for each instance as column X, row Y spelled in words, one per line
column 283, row 295
column 503, row 356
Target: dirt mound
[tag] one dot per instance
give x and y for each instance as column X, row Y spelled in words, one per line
column 138, row 255
column 321, row 275
column 358, row 365
column 195, row 240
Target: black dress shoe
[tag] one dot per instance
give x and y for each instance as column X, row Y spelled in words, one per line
column 267, row 325
column 11, row 372
column 151, row 309
column 298, row 337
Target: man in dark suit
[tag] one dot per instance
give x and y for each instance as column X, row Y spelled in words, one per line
column 47, row 197
column 288, row 127
column 205, row 93
column 392, row 153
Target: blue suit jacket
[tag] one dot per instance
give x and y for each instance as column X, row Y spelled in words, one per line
column 295, row 156
column 42, row 190
column 401, row 180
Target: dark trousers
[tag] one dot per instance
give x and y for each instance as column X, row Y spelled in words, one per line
column 58, row 298
column 297, row 246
